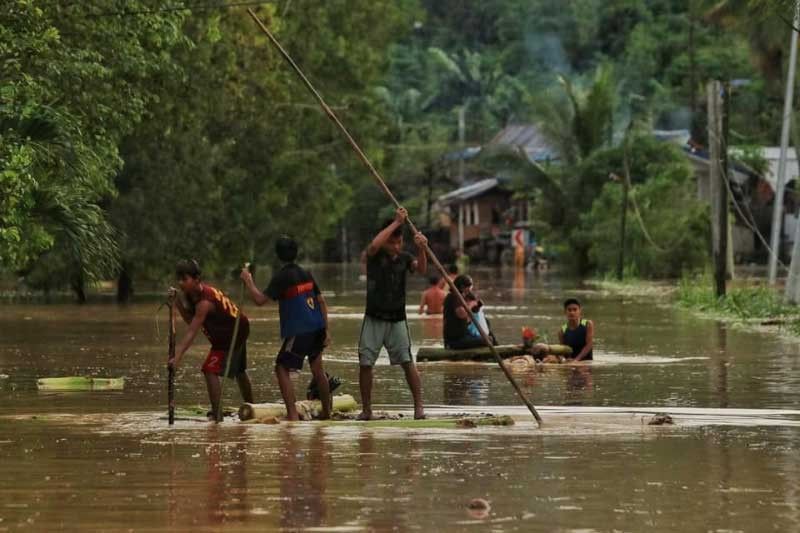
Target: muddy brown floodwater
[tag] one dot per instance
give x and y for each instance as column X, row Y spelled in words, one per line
column 108, row 461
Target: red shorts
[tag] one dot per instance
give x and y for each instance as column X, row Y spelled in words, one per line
column 215, row 362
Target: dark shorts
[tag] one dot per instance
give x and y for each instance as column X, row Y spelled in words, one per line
column 217, row 360
column 295, row 349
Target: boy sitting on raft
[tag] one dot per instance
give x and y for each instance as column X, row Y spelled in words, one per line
column 208, row 309
column 459, row 331
column 304, row 324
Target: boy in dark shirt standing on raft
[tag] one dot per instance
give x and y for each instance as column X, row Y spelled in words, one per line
column 578, row 332
column 304, row 324
column 208, row 309
column 385, row 317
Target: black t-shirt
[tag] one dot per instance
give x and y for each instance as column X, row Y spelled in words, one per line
column 386, row 285
column 455, row 327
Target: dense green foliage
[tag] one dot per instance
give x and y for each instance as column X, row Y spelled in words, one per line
column 131, row 135
column 661, row 240
column 245, row 153
column 72, row 88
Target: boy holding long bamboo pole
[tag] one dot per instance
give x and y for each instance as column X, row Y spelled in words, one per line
column 385, row 316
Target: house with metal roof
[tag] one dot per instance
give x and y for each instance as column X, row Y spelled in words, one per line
column 479, row 216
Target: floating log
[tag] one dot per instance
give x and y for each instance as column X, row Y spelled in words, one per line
column 431, row 353
column 80, row 383
column 448, row 422
column 557, row 349
column 307, row 409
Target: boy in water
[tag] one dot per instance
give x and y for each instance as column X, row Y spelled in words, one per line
column 578, row 332
column 385, row 317
column 304, row 324
column 433, row 298
column 206, row 308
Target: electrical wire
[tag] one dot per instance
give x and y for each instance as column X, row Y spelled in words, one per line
column 170, row 9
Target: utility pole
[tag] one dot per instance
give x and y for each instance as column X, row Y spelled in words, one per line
column 462, row 127
column 625, row 178
column 777, row 209
column 430, row 172
column 718, row 94
column 623, row 219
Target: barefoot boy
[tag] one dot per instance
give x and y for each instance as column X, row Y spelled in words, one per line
column 385, row 316
column 304, row 324
column 208, row 309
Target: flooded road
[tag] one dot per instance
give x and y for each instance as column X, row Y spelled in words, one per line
column 107, row 461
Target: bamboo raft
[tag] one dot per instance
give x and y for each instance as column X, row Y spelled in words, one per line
column 433, row 353
column 308, row 409
column 80, row 383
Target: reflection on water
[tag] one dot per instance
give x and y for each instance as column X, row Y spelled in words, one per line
column 466, row 386
column 108, row 462
column 579, row 385
column 304, row 470
column 722, row 365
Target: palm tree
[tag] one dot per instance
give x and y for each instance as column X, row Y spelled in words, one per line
column 578, row 121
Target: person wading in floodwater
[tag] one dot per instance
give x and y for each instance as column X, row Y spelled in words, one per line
column 432, row 300
column 578, row 332
column 385, row 317
column 206, row 308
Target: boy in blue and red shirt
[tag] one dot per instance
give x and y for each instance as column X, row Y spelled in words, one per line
column 304, row 324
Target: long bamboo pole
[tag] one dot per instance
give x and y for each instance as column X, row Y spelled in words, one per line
column 170, row 368
column 231, row 352
column 382, row 184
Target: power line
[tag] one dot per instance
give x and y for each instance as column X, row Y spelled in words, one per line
column 170, row 9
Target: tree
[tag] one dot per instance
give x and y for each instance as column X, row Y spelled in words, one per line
column 74, row 84
column 669, row 229
column 247, row 154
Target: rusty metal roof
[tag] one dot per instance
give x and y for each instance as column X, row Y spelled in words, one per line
column 469, row 191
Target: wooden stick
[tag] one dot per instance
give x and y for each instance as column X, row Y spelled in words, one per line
column 231, row 350
column 382, row 184
column 170, row 368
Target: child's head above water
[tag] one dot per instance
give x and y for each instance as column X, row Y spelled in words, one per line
column 572, row 308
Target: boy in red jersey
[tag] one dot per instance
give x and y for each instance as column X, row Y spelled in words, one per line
column 208, row 309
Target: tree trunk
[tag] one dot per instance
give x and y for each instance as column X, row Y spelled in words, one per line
column 78, row 285
column 124, row 285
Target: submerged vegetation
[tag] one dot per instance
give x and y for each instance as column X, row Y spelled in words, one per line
column 758, row 304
